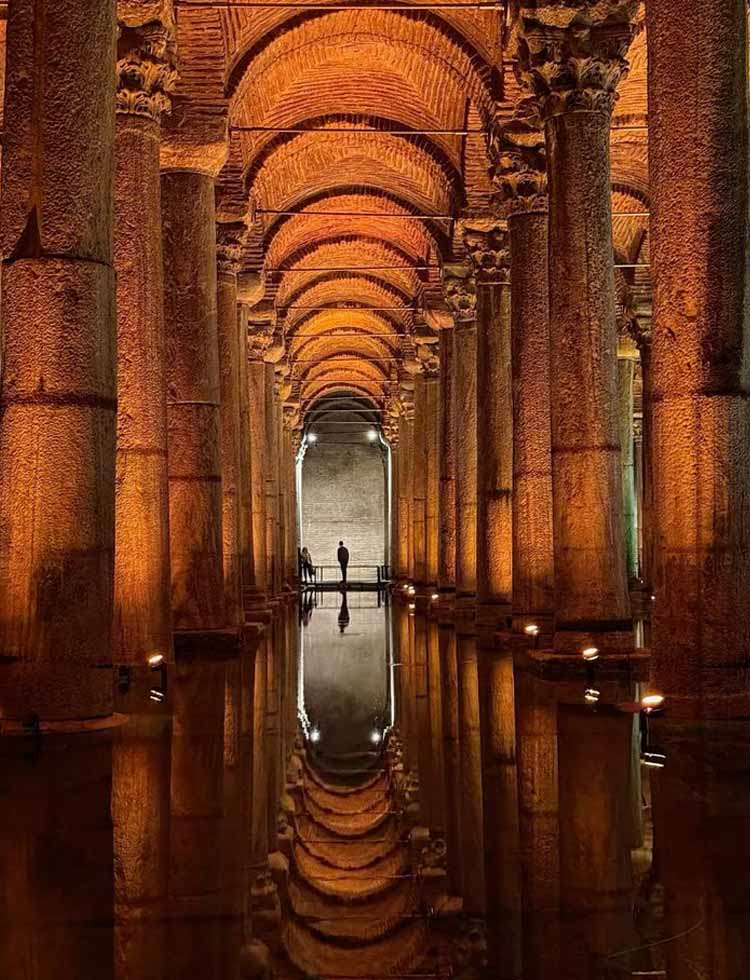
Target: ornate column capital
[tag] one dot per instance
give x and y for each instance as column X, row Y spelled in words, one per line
column 488, row 247
column 460, row 292
column 230, row 241
column 259, row 340
column 429, row 361
column 519, row 169
column 146, row 74
column 572, row 53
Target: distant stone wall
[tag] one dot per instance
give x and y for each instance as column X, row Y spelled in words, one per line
column 344, row 498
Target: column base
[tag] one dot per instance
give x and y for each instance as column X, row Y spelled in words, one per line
column 609, row 638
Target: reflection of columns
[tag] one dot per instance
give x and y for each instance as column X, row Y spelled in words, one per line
column 590, row 576
column 625, row 376
column 259, row 818
column 472, row 833
column 419, row 482
column 699, row 356
column 256, row 381
column 487, row 245
column 437, row 743
column 451, row 753
column 447, row 456
column 595, row 871
column 58, row 405
column 460, row 294
column 229, row 254
column 272, row 737
column 522, row 182
column 502, row 860
column 432, row 398
column 423, row 741
column 141, row 754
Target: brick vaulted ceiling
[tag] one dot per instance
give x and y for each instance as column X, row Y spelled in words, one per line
column 349, row 286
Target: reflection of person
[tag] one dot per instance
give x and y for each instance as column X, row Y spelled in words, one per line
column 306, row 607
column 343, row 556
column 308, row 571
column 344, row 618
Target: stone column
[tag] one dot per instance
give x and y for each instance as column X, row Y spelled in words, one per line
column 406, row 469
column 203, row 646
column 230, row 236
column 432, row 399
column 699, row 411
column 487, row 245
column 459, row 288
column 447, row 456
column 143, row 614
column 57, row 489
column 574, row 73
column 272, row 493
column 625, row 377
column 521, row 180
column 472, row 806
column 58, row 400
column 258, row 340
column 246, row 487
column 419, row 484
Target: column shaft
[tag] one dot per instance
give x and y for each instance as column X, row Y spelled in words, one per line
column 700, row 370
column 472, row 812
column 406, row 468
column 465, row 441
column 419, row 487
column 432, row 461
column 449, row 678
column 625, row 378
column 193, row 401
column 533, row 558
column 447, row 456
column 256, row 379
column 591, row 582
column 58, row 399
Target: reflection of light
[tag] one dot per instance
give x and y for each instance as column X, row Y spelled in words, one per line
column 412, row 590
column 591, row 653
column 375, row 737
column 372, row 435
column 532, row 629
column 653, row 758
column 156, row 660
column 651, row 702
column 311, row 437
column 591, row 695
column 156, row 694
column 412, row 606
column 314, row 734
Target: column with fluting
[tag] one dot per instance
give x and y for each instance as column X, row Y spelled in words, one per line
column 459, row 289
column 487, row 245
column 143, row 613
column 699, row 411
column 521, row 179
column 58, row 415
column 574, row 73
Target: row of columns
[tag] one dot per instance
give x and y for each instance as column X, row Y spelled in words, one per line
column 132, row 535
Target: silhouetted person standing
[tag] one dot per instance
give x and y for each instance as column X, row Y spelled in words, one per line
column 343, row 556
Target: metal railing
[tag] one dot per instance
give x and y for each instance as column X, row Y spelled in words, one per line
column 379, row 574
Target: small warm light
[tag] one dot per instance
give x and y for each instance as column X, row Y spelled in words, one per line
column 653, row 758
column 375, row 737
column 372, row 435
column 312, row 437
column 434, row 596
column 531, row 630
column 412, row 606
column 412, row 590
column 591, row 695
column 591, row 653
column 156, row 660
column 314, row 734
column 652, row 702
column 156, row 694
column 653, row 598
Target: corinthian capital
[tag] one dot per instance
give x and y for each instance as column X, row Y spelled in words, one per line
column 519, row 167
column 429, row 361
column 487, row 246
column 259, row 341
column 230, row 240
column 460, row 292
column 146, row 74
column 571, row 53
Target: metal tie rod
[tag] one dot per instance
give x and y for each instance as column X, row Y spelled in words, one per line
column 358, row 214
column 287, row 5
column 367, row 131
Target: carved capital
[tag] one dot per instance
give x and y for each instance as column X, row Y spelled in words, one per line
column 488, row 248
column 519, row 169
column 429, row 361
column 230, row 241
column 259, row 341
column 146, row 74
column 572, row 53
column 460, row 292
